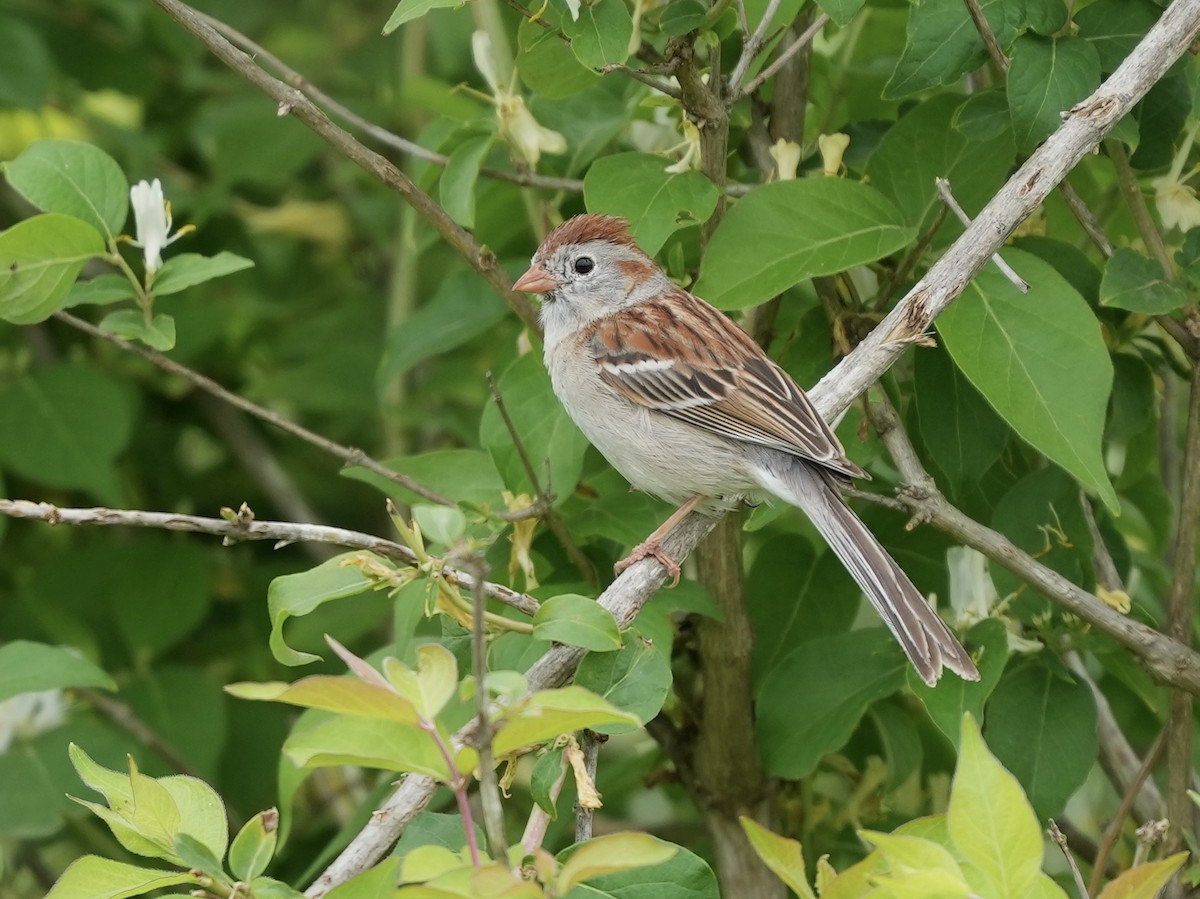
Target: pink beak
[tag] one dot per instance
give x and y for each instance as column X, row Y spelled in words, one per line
column 537, row 280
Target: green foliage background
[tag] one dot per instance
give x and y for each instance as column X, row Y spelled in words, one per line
column 360, row 322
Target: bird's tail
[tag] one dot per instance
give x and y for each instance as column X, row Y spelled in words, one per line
column 925, row 638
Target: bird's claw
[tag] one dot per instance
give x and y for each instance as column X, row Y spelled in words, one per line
column 651, row 549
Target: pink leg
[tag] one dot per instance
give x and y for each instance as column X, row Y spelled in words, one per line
column 652, row 546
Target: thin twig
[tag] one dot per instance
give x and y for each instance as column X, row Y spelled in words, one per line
column 1060, row 840
column 349, row 455
column 1136, row 201
column 751, row 47
column 943, row 187
column 913, row 257
column 545, row 501
column 1114, row 826
column 989, row 37
column 1086, row 218
column 663, row 87
column 1180, row 605
column 247, row 528
column 781, row 60
column 125, row 718
column 489, row 787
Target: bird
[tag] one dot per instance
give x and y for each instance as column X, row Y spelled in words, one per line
column 687, row 407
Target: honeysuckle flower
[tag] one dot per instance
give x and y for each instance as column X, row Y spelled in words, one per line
column 1178, row 206
column 972, row 593
column 832, row 147
column 152, row 215
column 29, row 714
column 786, row 154
column 691, row 150
column 517, row 127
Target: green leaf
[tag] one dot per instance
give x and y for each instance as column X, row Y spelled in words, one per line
column 898, row 736
column 785, row 232
column 656, row 202
column 1040, row 360
column 804, row 713
column 462, row 307
column 378, row 882
column 925, row 145
column 1045, row 17
column 407, row 10
column 548, row 714
column 75, row 179
column 440, row 524
column 254, row 846
column 99, row 291
column 684, row 876
column 961, row 433
column 918, row 867
column 636, row 679
column 1136, row 282
column 943, row 43
column 553, row 443
column 548, row 770
column 299, row 594
column 27, row 667
column 432, row 685
column 130, row 324
column 1144, row 881
column 577, row 621
column 1042, row 728
column 546, row 64
column 601, row 34
column 92, row 877
column 65, row 425
column 609, row 854
column 784, row 857
column 189, row 269
column 1115, row 27
column 952, row 697
column 1048, row 77
column 372, row 743
column 991, row 823
column 456, row 187
column 841, row 11
column 343, row 694
column 40, row 258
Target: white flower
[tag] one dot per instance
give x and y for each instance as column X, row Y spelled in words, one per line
column 786, row 154
column 519, row 129
column 833, row 147
column 691, row 153
column 972, row 593
column 152, row 214
column 1178, row 206
column 29, row 714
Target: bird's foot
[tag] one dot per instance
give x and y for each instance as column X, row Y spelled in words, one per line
column 651, row 549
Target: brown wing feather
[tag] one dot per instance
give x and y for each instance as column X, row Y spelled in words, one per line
column 728, row 386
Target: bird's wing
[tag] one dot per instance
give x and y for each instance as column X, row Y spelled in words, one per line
column 685, row 359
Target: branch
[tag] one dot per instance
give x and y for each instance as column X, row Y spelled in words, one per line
column 751, row 47
column 943, row 188
column 1164, row 658
column 245, row 528
column 781, row 60
column 293, row 102
column 989, row 37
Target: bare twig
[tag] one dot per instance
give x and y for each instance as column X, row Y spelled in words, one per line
column 1180, row 603
column 666, row 88
column 348, row 455
column 943, row 187
column 584, row 813
column 1060, row 840
column 489, row 788
column 989, row 36
column 1087, row 220
column 125, row 718
column 781, row 60
column 751, row 47
column 545, row 502
column 293, row 102
column 282, row 532
column 1136, row 201
column 1114, row 826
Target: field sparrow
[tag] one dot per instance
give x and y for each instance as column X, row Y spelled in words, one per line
column 686, row 406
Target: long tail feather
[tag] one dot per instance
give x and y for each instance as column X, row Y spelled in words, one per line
column 925, row 638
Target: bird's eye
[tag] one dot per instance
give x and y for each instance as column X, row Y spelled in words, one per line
column 584, row 264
